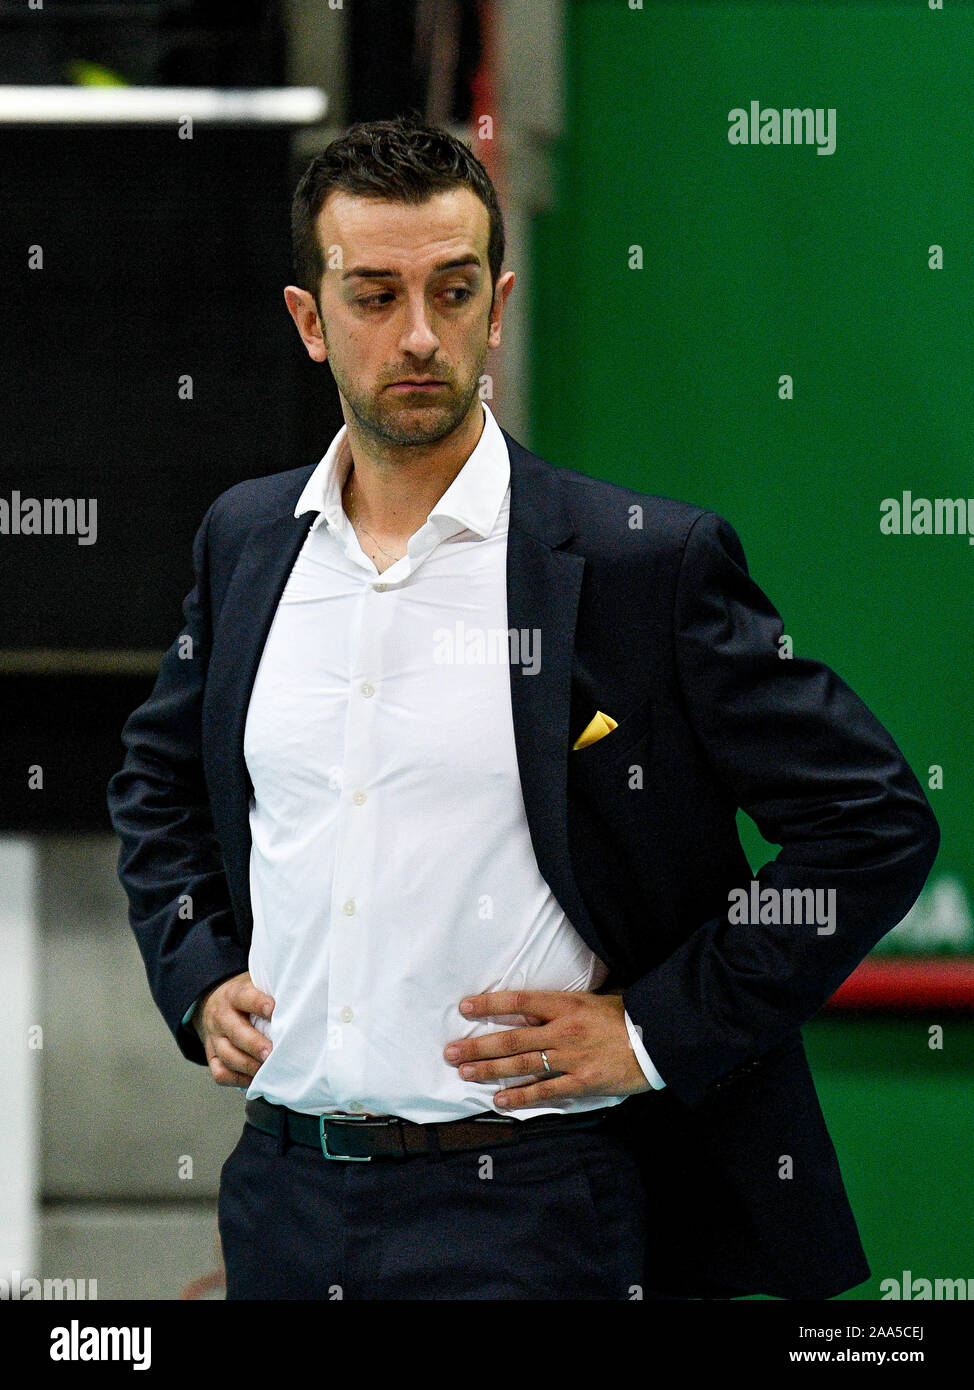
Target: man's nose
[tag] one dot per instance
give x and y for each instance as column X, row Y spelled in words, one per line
column 418, row 337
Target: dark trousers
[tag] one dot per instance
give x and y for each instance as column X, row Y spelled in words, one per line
column 560, row 1215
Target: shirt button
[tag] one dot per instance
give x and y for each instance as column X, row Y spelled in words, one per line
column 354, row 1105
column 380, row 588
column 358, row 798
column 368, row 690
column 349, row 908
column 347, row 1015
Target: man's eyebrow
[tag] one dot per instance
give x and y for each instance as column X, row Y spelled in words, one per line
column 363, row 272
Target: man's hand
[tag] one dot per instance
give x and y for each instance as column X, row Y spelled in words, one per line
column 234, row 1047
column 584, row 1037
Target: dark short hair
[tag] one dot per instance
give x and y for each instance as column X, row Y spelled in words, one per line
column 401, row 160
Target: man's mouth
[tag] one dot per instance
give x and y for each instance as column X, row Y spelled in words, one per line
column 416, row 385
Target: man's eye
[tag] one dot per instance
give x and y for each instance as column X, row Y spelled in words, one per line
column 377, row 300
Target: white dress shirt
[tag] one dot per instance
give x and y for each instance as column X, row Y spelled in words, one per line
column 391, row 870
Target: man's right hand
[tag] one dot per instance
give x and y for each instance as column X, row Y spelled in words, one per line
column 234, row 1047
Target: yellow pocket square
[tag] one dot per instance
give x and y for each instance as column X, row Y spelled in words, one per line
column 595, row 729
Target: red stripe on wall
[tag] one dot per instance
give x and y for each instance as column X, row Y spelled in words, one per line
column 908, row 984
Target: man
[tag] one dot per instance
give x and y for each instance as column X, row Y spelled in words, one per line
column 478, row 935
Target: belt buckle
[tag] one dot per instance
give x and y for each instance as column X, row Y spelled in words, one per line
column 345, row 1158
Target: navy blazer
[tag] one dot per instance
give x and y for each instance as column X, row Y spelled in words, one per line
column 646, row 611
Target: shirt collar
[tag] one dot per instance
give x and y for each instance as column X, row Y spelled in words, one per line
column 471, row 502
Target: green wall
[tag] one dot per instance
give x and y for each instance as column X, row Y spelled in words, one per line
column 902, row 1123
column 767, row 260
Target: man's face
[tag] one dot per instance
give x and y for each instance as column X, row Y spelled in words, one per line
column 406, row 294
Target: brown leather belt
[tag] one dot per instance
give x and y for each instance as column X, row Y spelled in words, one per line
column 352, row 1137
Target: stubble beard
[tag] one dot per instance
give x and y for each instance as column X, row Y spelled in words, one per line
column 392, row 421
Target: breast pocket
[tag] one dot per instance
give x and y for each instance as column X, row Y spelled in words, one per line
column 631, row 735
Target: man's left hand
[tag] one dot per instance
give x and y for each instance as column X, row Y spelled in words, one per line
column 584, row 1037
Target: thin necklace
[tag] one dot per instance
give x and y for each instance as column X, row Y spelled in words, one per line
column 369, row 533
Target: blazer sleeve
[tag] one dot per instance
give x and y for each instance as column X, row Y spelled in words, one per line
column 796, row 748
column 170, row 862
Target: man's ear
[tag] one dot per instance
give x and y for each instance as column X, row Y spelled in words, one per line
column 304, row 312
column 502, row 289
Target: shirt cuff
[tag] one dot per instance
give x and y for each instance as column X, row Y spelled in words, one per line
column 642, row 1057
column 187, row 1016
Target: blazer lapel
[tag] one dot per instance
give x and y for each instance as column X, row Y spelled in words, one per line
column 543, row 588
column 238, row 641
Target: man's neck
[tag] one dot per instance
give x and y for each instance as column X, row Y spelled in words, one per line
column 393, row 492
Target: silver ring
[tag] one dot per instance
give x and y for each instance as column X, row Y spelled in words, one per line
column 544, row 1058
